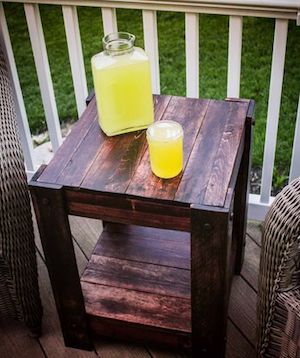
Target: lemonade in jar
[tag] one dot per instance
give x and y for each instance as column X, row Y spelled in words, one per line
column 122, row 82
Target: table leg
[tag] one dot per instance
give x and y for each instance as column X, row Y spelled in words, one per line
column 58, row 248
column 240, row 208
column 210, row 255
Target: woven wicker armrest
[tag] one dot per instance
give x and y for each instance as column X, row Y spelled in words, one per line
column 279, row 277
column 19, row 292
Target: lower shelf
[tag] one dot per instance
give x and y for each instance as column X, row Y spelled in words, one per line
column 137, row 285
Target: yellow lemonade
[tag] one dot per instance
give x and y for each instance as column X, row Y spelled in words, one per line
column 123, row 91
column 165, row 140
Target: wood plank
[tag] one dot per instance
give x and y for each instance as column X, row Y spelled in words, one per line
column 139, row 276
column 83, row 157
column 59, row 253
column 210, row 279
column 225, row 158
column 242, row 308
column 85, row 232
column 118, row 330
column 122, row 155
column 70, row 145
column 237, row 344
column 147, row 309
column 115, row 349
column 167, row 353
column 250, row 269
column 254, row 230
column 127, row 210
column 15, row 340
column 193, row 186
column 52, row 339
column 162, row 247
column 190, row 114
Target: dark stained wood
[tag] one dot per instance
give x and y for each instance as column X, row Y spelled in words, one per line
column 108, row 348
column 189, row 113
column 82, row 159
column 237, row 345
column 196, row 176
column 119, row 157
column 109, row 178
column 128, row 287
column 51, row 339
column 242, row 308
column 242, row 194
column 128, row 210
column 15, row 341
column 119, row 331
column 254, row 230
column 211, row 249
column 138, row 276
column 86, row 232
column 160, row 247
column 59, row 253
column 168, row 353
column 65, row 152
column 251, row 263
column 225, row 158
column 144, row 308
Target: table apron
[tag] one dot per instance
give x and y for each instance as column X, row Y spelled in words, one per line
column 128, row 210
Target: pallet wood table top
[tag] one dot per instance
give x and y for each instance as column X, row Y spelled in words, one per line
column 89, row 161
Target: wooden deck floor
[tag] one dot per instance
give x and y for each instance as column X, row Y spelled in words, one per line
column 15, row 341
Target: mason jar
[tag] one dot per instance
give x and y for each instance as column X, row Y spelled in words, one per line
column 122, row 82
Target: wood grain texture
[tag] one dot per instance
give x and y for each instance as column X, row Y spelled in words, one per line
column 137, row 307
column 243, row 315
column 114, row 165
column 85, row 232
column 15, row 341
column 225, row 158
column 160, row 247
column 190, row 114
column 118, row 331
column 237, row 345
column 242, row 194
column 138, row 276
column 194, row 180
column 211, row 250
column 79, row 164
column 52, row 339
column 128, row 210
column 65, row 152
column 250, row 267
column 59, row 253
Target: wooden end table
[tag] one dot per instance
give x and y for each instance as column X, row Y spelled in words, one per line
column 162, row 268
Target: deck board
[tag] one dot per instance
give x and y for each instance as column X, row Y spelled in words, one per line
column 15, row 340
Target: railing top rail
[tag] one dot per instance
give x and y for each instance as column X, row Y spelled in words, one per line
column 286, row 9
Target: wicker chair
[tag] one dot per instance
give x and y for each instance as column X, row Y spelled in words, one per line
column 19, row 292
column 279, row 279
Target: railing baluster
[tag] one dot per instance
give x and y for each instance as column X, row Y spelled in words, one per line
column 151, row 46
column 234, row 56
column 22, row 119
column 295, row 164
column 109, row 19
column 279, row 47
column 43, row 72
column 192, row 54
column 75, row 56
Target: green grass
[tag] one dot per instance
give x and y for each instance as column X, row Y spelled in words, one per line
column 255, row 77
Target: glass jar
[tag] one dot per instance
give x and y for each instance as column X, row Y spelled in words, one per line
column 122, row 83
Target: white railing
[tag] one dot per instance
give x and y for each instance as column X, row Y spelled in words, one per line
column 281, row 10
